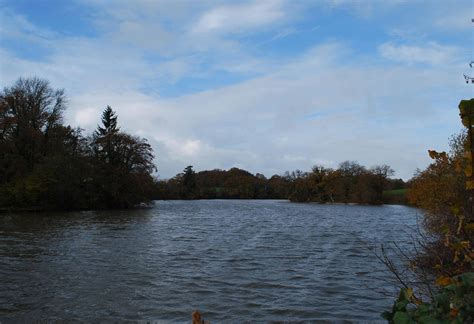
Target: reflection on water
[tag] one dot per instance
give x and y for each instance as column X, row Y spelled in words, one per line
column 233, row 260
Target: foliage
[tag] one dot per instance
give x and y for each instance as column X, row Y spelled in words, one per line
column 445, row 191
column 440, row 189
column 220, row 184
column 47, row 165
column 349, row 183
column 319, row 185
column 454, row 303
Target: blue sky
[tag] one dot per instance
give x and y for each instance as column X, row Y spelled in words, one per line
column 263, row 85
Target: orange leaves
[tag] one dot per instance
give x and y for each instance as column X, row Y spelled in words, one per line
column 453, row 312
column 444, row 281
column 437, row 155
column 468, row 170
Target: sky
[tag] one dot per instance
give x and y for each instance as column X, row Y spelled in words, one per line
column 266, row 86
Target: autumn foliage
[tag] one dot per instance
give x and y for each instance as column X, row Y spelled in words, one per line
column 445, row 191
column 440, row 189
column 349, row 183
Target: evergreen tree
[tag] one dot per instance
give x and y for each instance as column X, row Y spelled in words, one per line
column 106, row 136
column 109, row 123
column 188, row 181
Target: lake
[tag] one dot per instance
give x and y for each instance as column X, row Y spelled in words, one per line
column 234, row 260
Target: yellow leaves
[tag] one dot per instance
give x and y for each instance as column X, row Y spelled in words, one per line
column 410, row 296
column 469, row 227
column 444, row 281
column 456, row 211
column 465, row 244
column 461, row 250
column 470, row 185
column 468, row 170
column 460, row 245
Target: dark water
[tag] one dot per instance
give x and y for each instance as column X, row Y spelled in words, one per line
column 235, row 261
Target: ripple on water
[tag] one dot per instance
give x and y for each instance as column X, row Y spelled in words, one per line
column 236, row 261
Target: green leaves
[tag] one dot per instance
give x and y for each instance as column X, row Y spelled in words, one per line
column 453, row 303
column 402, row 318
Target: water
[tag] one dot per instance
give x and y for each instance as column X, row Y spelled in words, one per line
column 234, row 260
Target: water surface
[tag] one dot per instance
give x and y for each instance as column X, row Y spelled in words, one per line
column 234, row 260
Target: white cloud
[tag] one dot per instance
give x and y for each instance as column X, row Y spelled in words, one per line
column 369, row 114
column 324, row 105
column 86, row 116
column 241, row 17
column 18, row 26
column 431, row 53
column 285, row 33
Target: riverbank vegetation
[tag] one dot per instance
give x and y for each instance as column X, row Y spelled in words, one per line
column 441, row 287
column 349, row 183
column 47, row 165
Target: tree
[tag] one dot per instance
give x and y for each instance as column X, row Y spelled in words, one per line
column 106, row 136
column 123, row 164
column 45, row 164
column 442, row 185
column 188, row 182
column 109, row 123
column 379, row 182
column 29, row 110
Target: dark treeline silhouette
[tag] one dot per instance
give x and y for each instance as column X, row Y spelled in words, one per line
column 220, row 184
column 45, row 164
column 349, row 183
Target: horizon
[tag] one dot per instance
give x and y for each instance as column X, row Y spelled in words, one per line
column 219, row 85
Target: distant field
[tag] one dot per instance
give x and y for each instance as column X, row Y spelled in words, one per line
column 396, row 196
column 396, row 192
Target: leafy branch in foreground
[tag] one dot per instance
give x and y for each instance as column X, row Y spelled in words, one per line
column 445, row 191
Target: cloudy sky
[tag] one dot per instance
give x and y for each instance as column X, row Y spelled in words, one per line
column 267, row 86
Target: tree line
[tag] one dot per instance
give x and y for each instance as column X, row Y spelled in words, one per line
column 349, row 183
column 45, row 164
